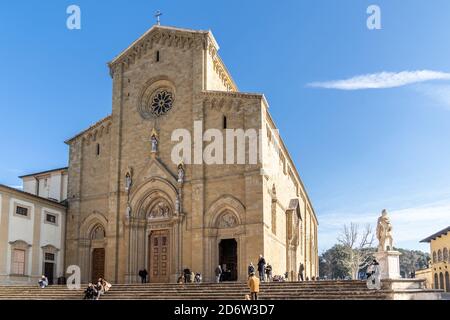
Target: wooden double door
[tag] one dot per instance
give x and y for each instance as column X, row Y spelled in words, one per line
column 98, row 264
column 159, row 256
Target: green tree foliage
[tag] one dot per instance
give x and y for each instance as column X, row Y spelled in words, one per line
column 331, row 263
column 412, row 260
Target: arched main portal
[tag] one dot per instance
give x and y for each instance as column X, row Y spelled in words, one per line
column 154, row 232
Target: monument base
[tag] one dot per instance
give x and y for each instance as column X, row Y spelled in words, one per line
column 389, row 264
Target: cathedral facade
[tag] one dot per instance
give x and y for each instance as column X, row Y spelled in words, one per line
column 137, row 200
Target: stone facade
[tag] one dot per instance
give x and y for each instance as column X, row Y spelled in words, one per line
column 148, row 216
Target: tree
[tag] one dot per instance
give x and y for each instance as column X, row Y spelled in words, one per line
column 412, row 260
column 331, row 263
column 357, row 246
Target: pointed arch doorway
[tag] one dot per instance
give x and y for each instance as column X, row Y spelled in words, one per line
column 228, row 259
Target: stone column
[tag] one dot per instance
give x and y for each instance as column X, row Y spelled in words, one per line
column 112, row 266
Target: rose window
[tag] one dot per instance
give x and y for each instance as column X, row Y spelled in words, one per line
column 161, row 102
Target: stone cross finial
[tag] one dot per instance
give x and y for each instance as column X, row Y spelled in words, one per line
column 158, row 14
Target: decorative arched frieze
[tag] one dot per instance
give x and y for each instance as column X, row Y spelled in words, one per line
column 90, row 223
column 147, row 192
column 224, row 204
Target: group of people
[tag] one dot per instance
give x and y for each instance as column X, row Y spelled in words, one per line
column 93, row 292
column 264, row 269
column 188, row 276
column 253, row 281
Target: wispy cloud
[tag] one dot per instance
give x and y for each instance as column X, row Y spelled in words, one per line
column 440, row 94
column 382, row 80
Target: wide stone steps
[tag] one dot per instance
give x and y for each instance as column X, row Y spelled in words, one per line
column 328, row 290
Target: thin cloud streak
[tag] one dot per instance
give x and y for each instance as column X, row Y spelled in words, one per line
column 439, row 93
column 382, row 80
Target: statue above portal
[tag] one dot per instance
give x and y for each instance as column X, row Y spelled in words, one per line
column 384, row 233
column 154, row 141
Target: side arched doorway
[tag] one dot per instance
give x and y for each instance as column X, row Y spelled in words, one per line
column 228, row 259
column 98, row 255
column 441, row 281
column 93, row 248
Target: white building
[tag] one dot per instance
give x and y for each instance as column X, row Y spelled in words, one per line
column 32, row 228
column 50, row 184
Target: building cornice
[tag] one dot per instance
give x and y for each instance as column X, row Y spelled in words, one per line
column 106, row 125
column 63, row 170
column 20, row 193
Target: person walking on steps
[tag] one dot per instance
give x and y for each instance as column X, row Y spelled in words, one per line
column 253, row 285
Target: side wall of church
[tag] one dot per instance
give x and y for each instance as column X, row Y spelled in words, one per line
column 281, row 186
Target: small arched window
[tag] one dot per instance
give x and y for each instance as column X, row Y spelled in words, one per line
column 97, row 149
column 158, row 56
column 225, row 124
column 439, row 255
column 445, row 254
column 434, row 257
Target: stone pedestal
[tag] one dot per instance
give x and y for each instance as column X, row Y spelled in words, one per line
column 389, row 264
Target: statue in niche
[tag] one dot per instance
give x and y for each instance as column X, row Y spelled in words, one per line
column 128, row 212
column 154, row 140
column 128, row 179
column 181, row 172
column 384, row 233
column 228, row 220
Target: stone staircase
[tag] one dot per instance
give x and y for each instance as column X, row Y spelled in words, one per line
column 310, row 290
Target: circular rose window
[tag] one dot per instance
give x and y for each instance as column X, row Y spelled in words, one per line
column 161, row 102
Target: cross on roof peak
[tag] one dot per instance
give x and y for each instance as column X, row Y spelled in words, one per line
column 158, row 14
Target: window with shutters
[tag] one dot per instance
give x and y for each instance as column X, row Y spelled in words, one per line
column 18, row 265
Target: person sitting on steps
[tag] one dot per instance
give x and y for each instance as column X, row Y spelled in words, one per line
column 43, row 282
column 90, row 293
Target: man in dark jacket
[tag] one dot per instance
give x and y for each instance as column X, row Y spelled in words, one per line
column 143, row 274
column 90, row 293
column 251, row 269
column 261, row 267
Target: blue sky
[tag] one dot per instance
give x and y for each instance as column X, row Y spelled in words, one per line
column 358, row 150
